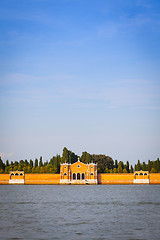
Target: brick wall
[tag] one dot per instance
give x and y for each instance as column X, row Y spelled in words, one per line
column 117, row 178
column 42, row 178
column 4, row 178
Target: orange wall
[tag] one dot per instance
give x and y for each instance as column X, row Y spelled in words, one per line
column 4, row 178
column 154, row 178
column 42, row 178
column 109, row 178
column 103, row 178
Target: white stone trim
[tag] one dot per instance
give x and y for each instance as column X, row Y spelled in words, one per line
column 16, row 181
column 141, row 181
column 84, row 181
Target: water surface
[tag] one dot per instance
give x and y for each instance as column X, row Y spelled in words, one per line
column 80, row 212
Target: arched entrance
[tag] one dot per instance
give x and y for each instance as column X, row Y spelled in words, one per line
column 78, row 176
column 141, row 177
column 74, row 176
column 16, row 177
column 83, row 176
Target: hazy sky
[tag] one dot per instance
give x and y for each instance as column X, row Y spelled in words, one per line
column 84, row 74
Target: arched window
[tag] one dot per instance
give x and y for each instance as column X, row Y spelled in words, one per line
column 65, row 174
column 16, row 174
column 136, row 174
column 83, row 176
column 74, row 176
column 92, row 174
column 78, row 176
column 21, row 174
column 145, row 174
column 12, row 174
column 141, row 174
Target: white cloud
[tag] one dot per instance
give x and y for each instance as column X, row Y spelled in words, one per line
column 6, row 155
column 62, row 88
column 125, row 24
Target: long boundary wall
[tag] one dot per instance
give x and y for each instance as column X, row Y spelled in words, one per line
column 154, row 178
column 4, row 178
column 103, row 178
column 42, row 178
column 117, row 178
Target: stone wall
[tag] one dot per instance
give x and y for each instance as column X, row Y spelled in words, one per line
column 103, row 178
column 115, row 178
column 42, row 178
column 4, row 178
column 154, row 178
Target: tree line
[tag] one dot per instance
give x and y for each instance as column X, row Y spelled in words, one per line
column 105, row 164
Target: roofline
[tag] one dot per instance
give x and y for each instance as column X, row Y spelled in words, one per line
column 79, row 162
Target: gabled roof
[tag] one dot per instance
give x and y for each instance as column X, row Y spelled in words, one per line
column 79, row 163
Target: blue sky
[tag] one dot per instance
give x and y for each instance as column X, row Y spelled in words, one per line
column 84, row 74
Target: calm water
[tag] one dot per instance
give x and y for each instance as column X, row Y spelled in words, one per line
column 80, row 212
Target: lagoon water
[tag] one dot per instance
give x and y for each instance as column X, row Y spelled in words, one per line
column 80, row 212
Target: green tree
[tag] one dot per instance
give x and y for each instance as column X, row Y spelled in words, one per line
column 26, row 163
column 115, row 170
column 149, row 166
column 127, row 166
column 135, row 167
column 72, row 157
column 116, row 164
column 37, row 169
column 15, row 168
column 7, row 163
column 46, row 168
column 7, row 169
column 28, row 169
column 138, row 166
column 21, row 163
column 106, row 170
column 20, row 167
column 86, row 157
column 65, row 155
column 45, row 163
column 31, row 163
column 144, row 167
column 131, row 169
column 11, row 167
column 120, row 167
column 33, row 170
column 41, row 169
column 103, row 162
column 40, row 162
column 2, row 166
column 36, row 163
column 153, row 170
column 158, row 165
column 154, row 166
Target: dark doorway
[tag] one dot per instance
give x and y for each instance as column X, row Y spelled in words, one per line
column 78, row 176
column 74, row 176
column 83, row 176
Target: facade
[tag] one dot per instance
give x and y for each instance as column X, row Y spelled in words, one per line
column 78, row 173
column 141, row 177
column 16, row 177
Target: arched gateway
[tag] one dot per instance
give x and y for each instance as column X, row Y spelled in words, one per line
column 141, row 177
column 16, row 177
column 78, row 173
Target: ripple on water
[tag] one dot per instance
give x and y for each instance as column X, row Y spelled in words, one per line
column 95, row 212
